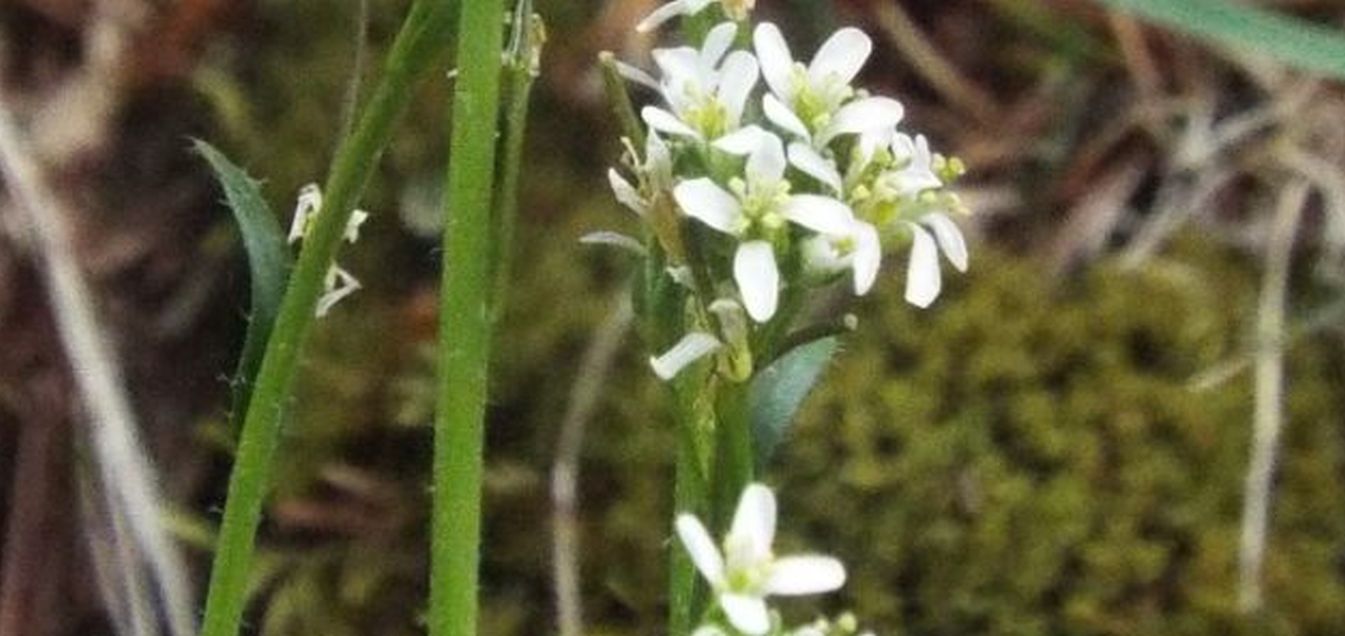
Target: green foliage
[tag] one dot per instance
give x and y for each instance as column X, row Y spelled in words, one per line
column 780, row 389
column 1306, row 45
column 268, row 267
column 1029, row 460
column 1023, row 458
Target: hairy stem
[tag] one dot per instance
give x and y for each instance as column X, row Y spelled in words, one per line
column 417, row 46
column 464, row 313
column 735, row 459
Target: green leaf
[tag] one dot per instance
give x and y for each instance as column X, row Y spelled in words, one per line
column 268, row 263
column 779, row 390
column 1299, row 43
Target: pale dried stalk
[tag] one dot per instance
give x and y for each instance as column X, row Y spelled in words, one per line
column 592, row 373
column 1268, row 416
column 926, row 59
column 124, row 470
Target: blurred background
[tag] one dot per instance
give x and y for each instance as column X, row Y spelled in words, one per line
column 1058, row 446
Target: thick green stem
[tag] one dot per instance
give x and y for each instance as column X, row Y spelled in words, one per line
column 735, row 461
column 417, row 46
column 464, row 323
column 691, row 494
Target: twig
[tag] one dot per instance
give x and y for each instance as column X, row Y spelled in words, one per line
column 926, row 59
column 1269, row 414
column 592, row 372
column 124, row 467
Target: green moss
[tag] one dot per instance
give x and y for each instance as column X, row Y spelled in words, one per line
column 1025, row 459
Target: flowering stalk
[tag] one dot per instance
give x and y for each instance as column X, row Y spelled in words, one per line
column 465, row 312
column 759, row 180
column 522, row 64
column 417, row 46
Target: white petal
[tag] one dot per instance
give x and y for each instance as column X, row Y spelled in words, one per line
column 717, row 43
column 782, row 116
column 703, row 199
column 708, row 630
column 307, row 206
column 841, row 56
column 758, row 279
column 636, row 74
column 871, row 140
column 821, row 257
column 863, row 115
column 754, row 522
column 357, row 218
column 776, row 62
column 681, row 69
column 923, row 280
column 950, row 239
column 689, row 349
column 813, row 164
column 739, row 77
column 702, row 548
column 747, row 613
column 664, row 121
column 742, row 141
column 867, row 257
column 670, row 11
column 819, row 213
column 767, row 161
column 614, row 239
column 802, row 575
column 625, row 193
column 338, row 284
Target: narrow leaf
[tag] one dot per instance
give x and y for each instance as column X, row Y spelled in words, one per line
column 779, row 390
column 268, row 265
column 1293, row 41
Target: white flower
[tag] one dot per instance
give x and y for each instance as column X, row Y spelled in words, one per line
column 913, row 164
column 736, row 9
column 755, row 209
column 305, row 209
column 707, row 98
column 747, row 571
column 934, row 232
column 857, row 249
column 357, row 218
column 689, row 349
column 306, row 213
column 654, row 175
column 671, row 10
column 815, row 102
column 336, row 285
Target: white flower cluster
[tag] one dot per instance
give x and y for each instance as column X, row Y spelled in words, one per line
column 746, row 571
column 804, row 180
column 338, row 282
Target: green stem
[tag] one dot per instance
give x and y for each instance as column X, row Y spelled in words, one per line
column 735, row 460
column 465, row 308
column 417, row 46
column 686, row 595
column 615, row 87
column 521, row 69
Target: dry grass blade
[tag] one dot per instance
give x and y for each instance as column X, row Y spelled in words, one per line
column 124, row 471
column 593, row 368
column 1269, row 414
